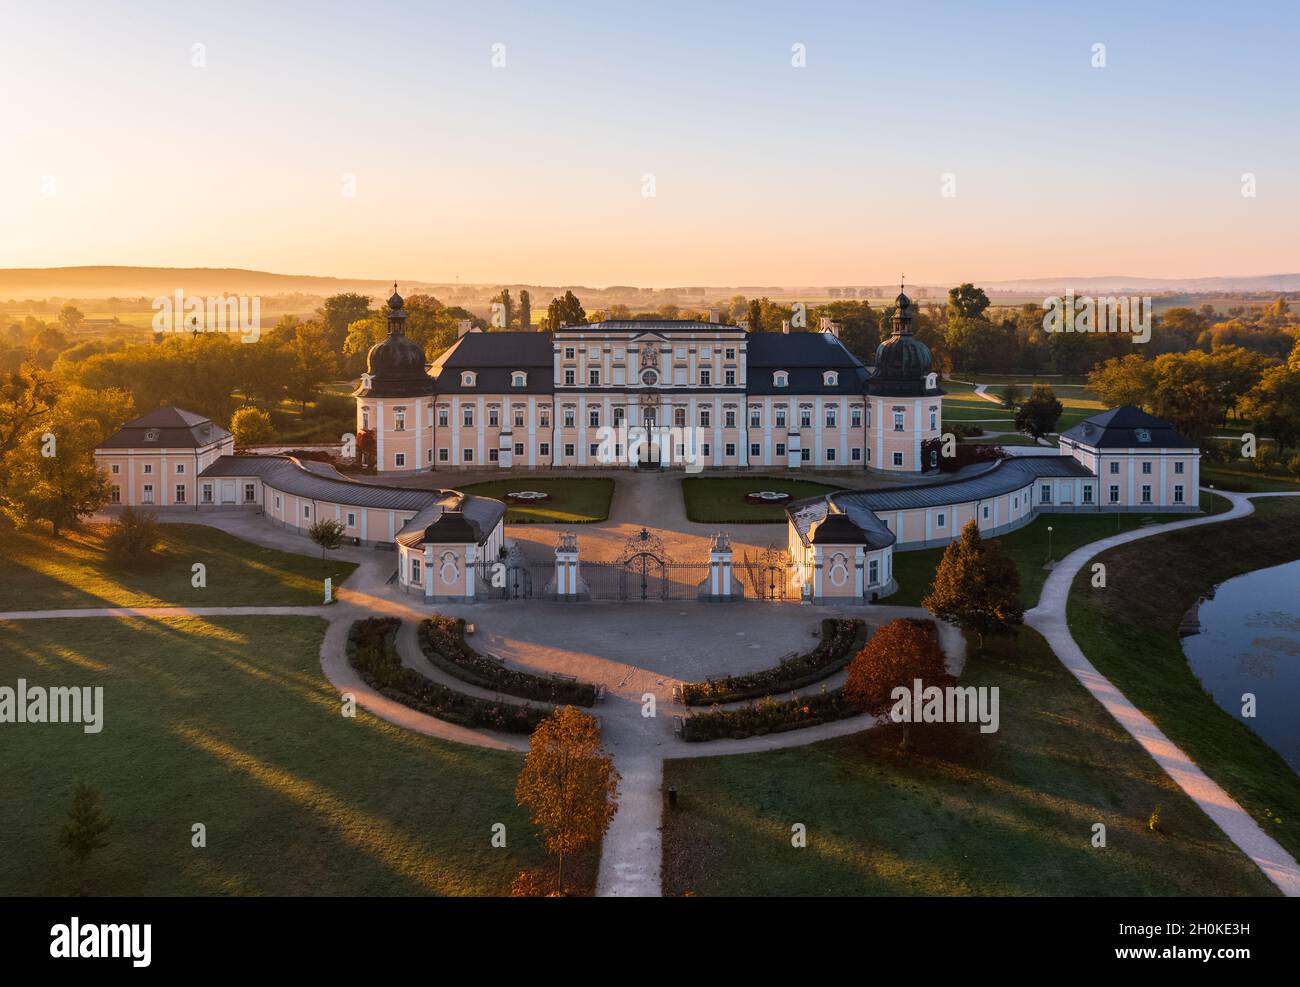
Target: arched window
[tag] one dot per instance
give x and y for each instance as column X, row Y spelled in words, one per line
column 519, row 379
column 830, row 378
column 467, row 379
column 780, row 379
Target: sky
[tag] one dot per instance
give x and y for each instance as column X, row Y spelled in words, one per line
column 653, row 144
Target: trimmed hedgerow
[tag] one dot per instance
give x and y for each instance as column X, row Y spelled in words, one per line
column 442, row 639
column 372, row 651
column 768, row 716
column 841, row 639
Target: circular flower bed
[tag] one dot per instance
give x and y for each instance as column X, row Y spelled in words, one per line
column 766, row 497
column 527, row 496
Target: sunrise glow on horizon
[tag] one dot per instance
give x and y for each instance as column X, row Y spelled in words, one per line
column 654, row 145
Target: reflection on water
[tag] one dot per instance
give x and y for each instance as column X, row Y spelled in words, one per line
column 1250, row 642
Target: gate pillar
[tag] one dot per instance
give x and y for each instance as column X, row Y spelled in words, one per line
column 719, row 589
column 566, row 567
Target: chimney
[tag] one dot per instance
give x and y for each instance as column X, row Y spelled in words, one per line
column 463, row 326
column 714, row 316
column 742, row 325
column 785, row 326
column 831, row 326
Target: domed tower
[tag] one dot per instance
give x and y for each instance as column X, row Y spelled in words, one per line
column 395, row 400
column 904, row 396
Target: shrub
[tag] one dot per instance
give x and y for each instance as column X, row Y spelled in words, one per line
column 251, row 427
column 372, row 651
column 768, row 716
column 442, row 639
column 839, row 640
column 132, row 536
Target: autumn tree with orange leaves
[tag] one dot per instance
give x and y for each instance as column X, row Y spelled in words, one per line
column 568, row 783
column 897, row 654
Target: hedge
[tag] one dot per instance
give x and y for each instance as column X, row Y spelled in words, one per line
column 768, row 716
column 372, row 651
column 442, row 639
column 841, row 639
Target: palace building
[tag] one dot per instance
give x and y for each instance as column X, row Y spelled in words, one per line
column 715, row 394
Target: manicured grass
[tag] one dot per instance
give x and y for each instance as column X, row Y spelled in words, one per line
column 1010, row 439
column 721, row 499
column 1007, row 813
column 228, row 722
column 1129, row 630
column 914, row 571
column 40, row 572
column 1243, row 481
column 576, row 501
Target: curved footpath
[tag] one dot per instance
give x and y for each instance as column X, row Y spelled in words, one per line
column 631, row 855
column 1049, row 619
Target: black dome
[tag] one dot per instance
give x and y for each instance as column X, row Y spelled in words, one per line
column 396, row 364
column 903, row 357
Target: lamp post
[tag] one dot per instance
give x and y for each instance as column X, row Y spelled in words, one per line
column 1049, row 544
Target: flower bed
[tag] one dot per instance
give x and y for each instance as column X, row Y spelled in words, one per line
column 768, row 716
column 767, row 497
column 527, row 496
column 372, row 651
column 442, row 639
column 841, row 639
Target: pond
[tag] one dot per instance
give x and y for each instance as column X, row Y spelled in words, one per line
column 1250, row 643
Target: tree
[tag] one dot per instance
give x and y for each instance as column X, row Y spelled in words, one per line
column 1039, row 413
column 71, row 317
column 966, row 302
column 327, row 533
column 1012, row 395
column 26, row 396
column 312, row 363
column 251, row 427
column 1274, row 405
column 976, row 586
column 338, row 313
column 568, row 783
column 564, row 310
column 525, row 311
column 897, row 654
column 87, row 826
column 132, row 536
column 1124, row 380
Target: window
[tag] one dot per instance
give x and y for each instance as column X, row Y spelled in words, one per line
column 306, row 510
column 898, row 421
column 399, row 420
column 934, row 419
column 729, row 418
column 830, row 378
column 277, row 502
column 205, row 495
column 593, row 376
column 941, row 521
column 444, row 455
column 780, row 379
column 569, row 353
column 780, row 448
column 1178, row 468
column 352, row 520
column 115, row 469
column 544, row 448
column 467, row 455
column 428, row 455
column 1146, row 493
column 898, row 459
column 780, row 416
column 494, row 417
column 729, row 377
column 467, row 379
column 519, row 418
column 250, row 493
column 830, row 416
column 148, row 469
column 399, row 460
column 494, row 455
column 830, row 455
column 1045, row 494
column 593, row 417
column 706, row 377
column 729, row 353
column 570, row 377
column 1087, row 493
column 729, row 449
column 568, row 449
column 146, row 495
column 855, row 454
column 544, row 417
column 593, row 450
column 519, row 448
column 467, row 417
column 519, row 379
column 755, row 418
column 755, row 450
column 805, row 417
column 704, row 449
column 442, row 416
column 570, row 416
column 1114, row 493
column 805, row 455
column 986, row 512
column 415, row 570
column 115, row 495
column 855, row 417
column 1114, row 469
column 873, row 571
column 1178, row 493
column 1146, row 468
column 704, row 418
column 180, row 468
column 365, row 419
column 679, row 417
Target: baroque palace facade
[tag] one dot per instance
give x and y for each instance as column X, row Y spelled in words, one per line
column 713, row 396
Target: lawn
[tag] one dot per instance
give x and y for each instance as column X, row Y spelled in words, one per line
column 572, row 501
column 914, row 571
column 1247, row 481
column 1007, row 813
column 38, row 572
column 1130, row 632
column 721, row 499
column 228, row 722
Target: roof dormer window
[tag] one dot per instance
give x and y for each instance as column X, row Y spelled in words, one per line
column 931, row 381
column 830, row 378
column 467, row 378
column 781, row 379
column 151, row 435
column 1142, row 434
column 519, row 379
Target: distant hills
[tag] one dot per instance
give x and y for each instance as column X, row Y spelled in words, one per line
column 134, row 282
